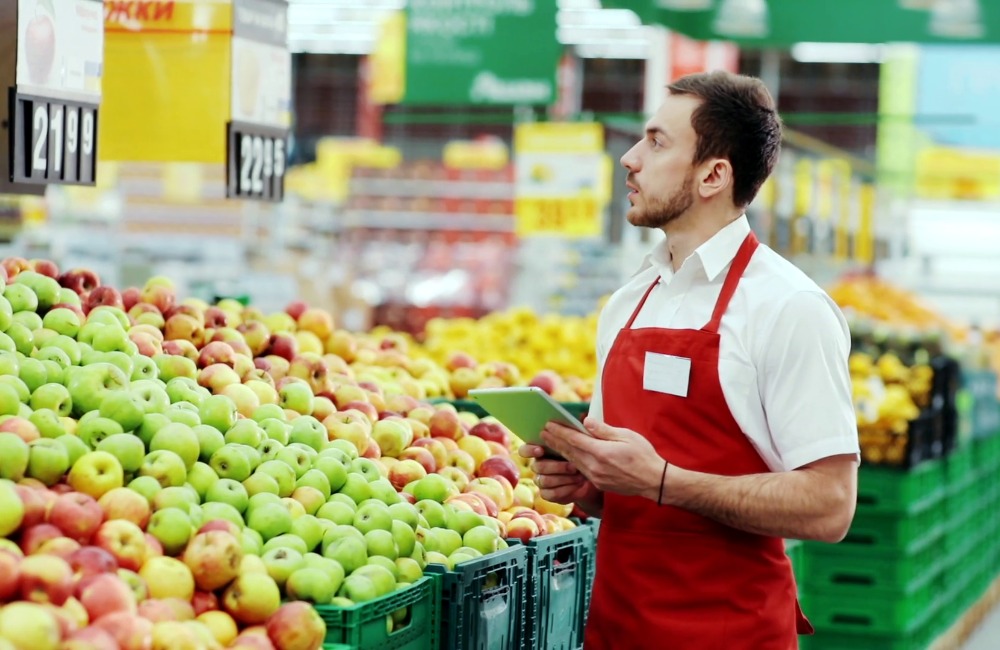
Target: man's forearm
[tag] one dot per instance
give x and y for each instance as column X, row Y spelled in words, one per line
column 794, row 505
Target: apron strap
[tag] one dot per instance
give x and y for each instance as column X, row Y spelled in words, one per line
column 739, row 265
column 642, row 302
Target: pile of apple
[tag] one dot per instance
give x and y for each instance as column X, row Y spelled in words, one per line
column 194, row 467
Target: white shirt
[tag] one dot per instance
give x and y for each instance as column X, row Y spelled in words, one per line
column 784, row 345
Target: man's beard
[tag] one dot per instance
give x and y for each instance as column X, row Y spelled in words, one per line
column 658, row 213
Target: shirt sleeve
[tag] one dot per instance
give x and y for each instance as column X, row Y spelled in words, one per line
column 596, row 409
column 804, row 382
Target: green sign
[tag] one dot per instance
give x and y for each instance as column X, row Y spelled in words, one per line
column 780, row 23
column 481, row 52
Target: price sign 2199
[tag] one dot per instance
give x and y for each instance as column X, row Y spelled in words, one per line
column 54, row 141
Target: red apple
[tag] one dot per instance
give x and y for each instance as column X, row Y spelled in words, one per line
column 123, row 503
column 60, row 547
column 181, row 348
column 216, row 318
column 524, row 528
column 32, row 538
column 459, row 360
column 106, row 296
column 445, row 424
column 21, row 427
column 130, row 631
column 46, row 579
column 296, row 308
column 421, row 455
column 296, row 626
column 156, row 610
column 158, row 295
column 130, row 298
column 495, row 466
column 14, row 265
column 217, row 352
column 77, row 515
column 214, row 559
column 47, row 268
column 88, row 561
column 36, row 504
column 183, row 327
column 491, row 432
column 204, row 601
column 90, row 638
column 107, row 594
column 283, row 345
column 223, row 525
column 547, row 380
column 10, row 575
column 124, row 541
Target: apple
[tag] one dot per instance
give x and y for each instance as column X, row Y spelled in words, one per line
column 493, row 489
column 89, row 561
column 10, row 574
column 61, row 547
column 168, row 577
column 218, row 411
column 270, row 520
column 47, row 460
column 525, row 528
column 251, row 598
column 77, row 515
column 393, row 435
column 130, row 631
column 214, row 558
column 166, row 467
column 407, row 471
column 445, row 424
column 183, row 413
column 499, row 466
column 281, row 563
column 125, row 542
column 34, row 537
column 31, row 624
column 228, row 491
column 96, row 473
column 296, row 396
column 309, row 431
column 172, row 527
column 14, row 455
column 45, row 579
column 350, row 552
column 217, row 376
column 297, row 626
column 371, row 516
column 35, row 500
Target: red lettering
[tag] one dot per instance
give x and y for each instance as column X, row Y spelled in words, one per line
column 117, row 10
column 164, row 10
column 142, row 10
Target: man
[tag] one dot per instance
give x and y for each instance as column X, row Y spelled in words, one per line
column 723, row 422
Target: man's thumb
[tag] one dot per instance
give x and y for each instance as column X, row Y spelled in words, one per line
column 598, row 429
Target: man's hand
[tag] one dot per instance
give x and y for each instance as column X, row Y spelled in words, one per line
column 559, row 481
column 612, row 459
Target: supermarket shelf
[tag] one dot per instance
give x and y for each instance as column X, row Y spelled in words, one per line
column 436, row 189
column 428, row 221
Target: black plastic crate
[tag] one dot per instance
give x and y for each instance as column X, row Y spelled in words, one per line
column 947, row 381
column 924, row 441
column 483, row 601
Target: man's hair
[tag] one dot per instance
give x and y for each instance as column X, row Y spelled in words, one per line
column 736, row 120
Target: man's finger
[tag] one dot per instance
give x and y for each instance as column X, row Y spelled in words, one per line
column 555, row 481
column 568, row 442
column 559, row 495
column 552, row 467
column 531, row 451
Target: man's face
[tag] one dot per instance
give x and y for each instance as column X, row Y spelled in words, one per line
column 661, row 173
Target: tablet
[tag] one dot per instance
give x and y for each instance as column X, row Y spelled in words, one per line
column 525, row 411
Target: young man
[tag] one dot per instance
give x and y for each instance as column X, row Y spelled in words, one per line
column 723, row 421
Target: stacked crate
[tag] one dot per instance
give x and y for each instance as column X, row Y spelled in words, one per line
column 881, row 588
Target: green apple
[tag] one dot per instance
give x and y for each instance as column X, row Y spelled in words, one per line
column 144, row 369
column 54, row 373
column 270, row 520
column 210, row 440
column 434, row 512
column 10, row 403
column 382, row 490
column 405, row 512
column 345, row 446
column 408, row 570
column 49, row 424
column 309, row 431
column 404, row 536
column 350, row 552
column 6, row 343
column 295, row 509
column 33, row 322
column 127, row 448
column 388, row 564
column 461, row 521
column 46, row 289
column 309, row 530
column 179, row 497
column 484, row 539
column 315, row 479
column 202, row 477
column 346, row 499
column 372, row 517
column 52, row 396
column 93, row 430
column 21, row 388
column 20, row 297
column 184, row 389
column 6, row 312
column 333, row 469
column 435, row 488
column 357, row 488
column 251, row 541
column 228, row 491
column 261, row 483
column 24, row 340
column 282, row 562
column 337, row 512
column 172, row 528
column 10, row 365
column 75, row 448
column 32, row 372
column 316, row 562
column 165, row 466
column 62, row 320
column 275, row 429
column 295, row 458
column 172, row 367
column 180, row 439
column 262, row 498
column 269, row 449
column 109, row 315
column 183, row 413
column 448, row 540
column 217, row 510
column 11, row 518
column 230, row 462
column 311, row 586
column 124, row 407
column 65, row 343
column 111, row 339
column 151, row 423
column 282, row 473
column 245, row 432
column 14, row 455
column 89, row 385
column 367, row 468
column 333, row 451
column 147, row 486
column 383, row 579
column 118, row 358
column 151, row 393
column 218, row 411
column 269, row 411
column 296, row 396
column 69, row 297
column 47, row 461
column 288, row 540
column 381, row 542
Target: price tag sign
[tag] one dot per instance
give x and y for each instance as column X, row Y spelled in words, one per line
column 570, row 217
column 55, row 103
column 257, row 135
column 257, row 162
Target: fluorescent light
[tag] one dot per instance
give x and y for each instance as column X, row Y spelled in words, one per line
column 742, row 18
column 684, row 5
column 838, row 53
column 956, row 19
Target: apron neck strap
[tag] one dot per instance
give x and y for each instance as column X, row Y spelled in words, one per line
column 739, row 265
column 642, row 302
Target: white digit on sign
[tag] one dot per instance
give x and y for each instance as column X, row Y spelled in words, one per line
column 268, row 158
column 57, row 139
column 88, row 133
column 40, row 161
column 72, row 132
column 279, row 157
column 258, row 165
column 246, row 161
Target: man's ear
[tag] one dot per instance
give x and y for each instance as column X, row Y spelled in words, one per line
column 716, row 177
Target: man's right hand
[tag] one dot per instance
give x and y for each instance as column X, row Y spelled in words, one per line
column 560, row 481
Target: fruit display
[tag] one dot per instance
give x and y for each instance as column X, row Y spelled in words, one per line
column 175, row 474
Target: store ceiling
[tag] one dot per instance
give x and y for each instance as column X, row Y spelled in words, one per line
column 351, row 27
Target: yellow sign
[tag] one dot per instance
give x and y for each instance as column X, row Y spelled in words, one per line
column 951, row 173
column 388, row 82
column 562, row 179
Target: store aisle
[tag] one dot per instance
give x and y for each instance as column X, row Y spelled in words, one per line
column 987, row 634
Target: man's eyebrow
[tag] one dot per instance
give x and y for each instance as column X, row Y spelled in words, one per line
column 655, row 130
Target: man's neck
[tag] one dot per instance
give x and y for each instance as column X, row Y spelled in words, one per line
column 686, row 234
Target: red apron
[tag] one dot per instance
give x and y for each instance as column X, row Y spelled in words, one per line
column 669, row 579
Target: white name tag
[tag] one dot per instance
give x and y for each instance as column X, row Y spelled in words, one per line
column 664, row 373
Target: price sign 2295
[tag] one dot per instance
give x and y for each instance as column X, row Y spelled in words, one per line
column 54, row 142
column 256, row 159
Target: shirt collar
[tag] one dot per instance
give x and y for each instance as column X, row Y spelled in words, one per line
column 714, row 255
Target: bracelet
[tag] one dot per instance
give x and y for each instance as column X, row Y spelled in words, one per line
column 663, row 479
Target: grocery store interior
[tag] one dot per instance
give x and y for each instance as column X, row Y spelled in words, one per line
column 256, row 253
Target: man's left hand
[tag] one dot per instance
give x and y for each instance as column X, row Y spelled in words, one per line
column 614, row 459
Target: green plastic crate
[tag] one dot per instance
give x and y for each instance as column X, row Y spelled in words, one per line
column 863, row 610
column 919, row 639
column 797, row 553
column 895, row 491
column 965, row 501
column 336, row 646
column 833, row 565
column 483, row 601
column 959, row 469
column 364, row 626
column 905, row 534
column 559, row 573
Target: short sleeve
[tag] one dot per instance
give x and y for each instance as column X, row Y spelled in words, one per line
column 804, row 382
